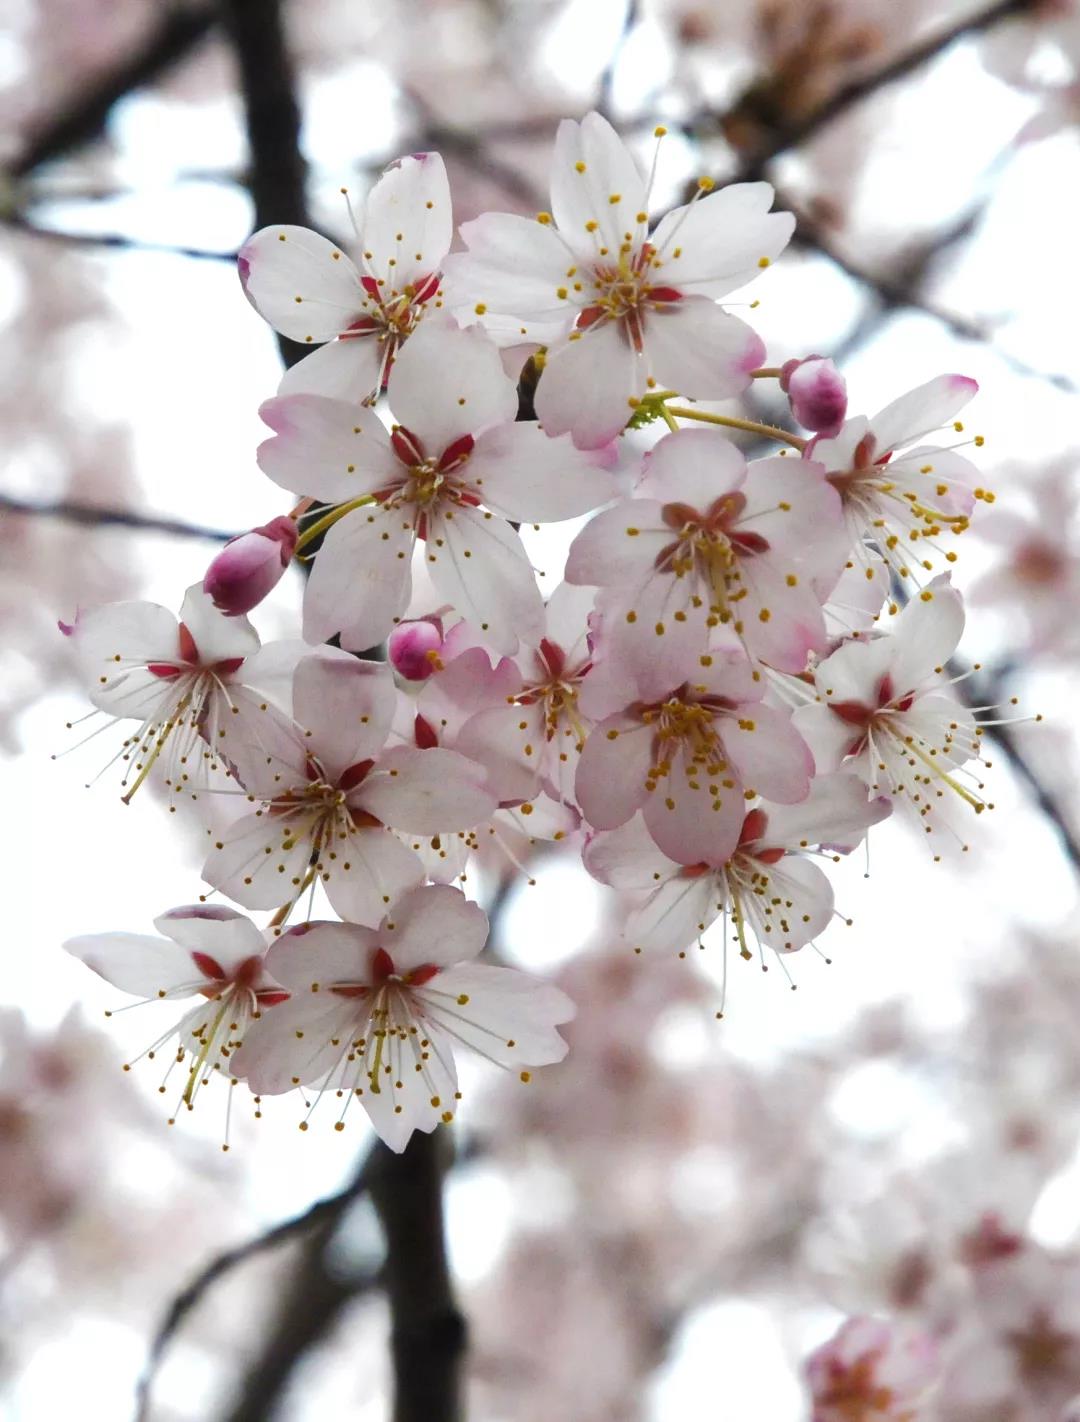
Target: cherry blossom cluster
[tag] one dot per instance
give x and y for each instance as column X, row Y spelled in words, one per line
column 742, row 669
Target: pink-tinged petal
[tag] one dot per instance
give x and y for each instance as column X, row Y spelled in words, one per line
column 594, row 183
column 942, row 478
column 362, row 578
column 326, row 448
column 408, row 220
column 784, row 498
column 836, row 813
column 467, row 685
column 817, row 392
column 921, row 410
column 836, row 453
column 413, row 649
column 692, row 467
column 613, row 770
column 768, row 753
column 217, row 637
column 219, row 932
column 305, row 286
column 522, row 473
column 350, row 369
column 805, row 908
column 425, row 791
column 478, row 563
column 619, row 546
column 854, row 671
column 695, row 347
column 259, row 744
column 721, row 239
column 250, row 567
column 829, row 737
column 505, row 1015
column 293, row 1044
column 323, row 953
column 677, row 912
column 449, row 382
column 347, row 705
column 114, row 646
column 408, row 1087
column 627, row 857
column 567, row 613
column 365, row 870
column 514, row 267
column 508, row 741
column 136, row 962
column 270, row 670
column 692, row 819
column 857, row 597
column 587, row 385
column 925, row 635
column 261, row 860
column 779, row 624
column 435, row 925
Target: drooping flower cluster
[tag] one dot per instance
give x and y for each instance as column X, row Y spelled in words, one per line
column 710, row 699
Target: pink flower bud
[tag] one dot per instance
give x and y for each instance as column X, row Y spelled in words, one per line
column 413, row 648
column 817, row 393
column 249, row 566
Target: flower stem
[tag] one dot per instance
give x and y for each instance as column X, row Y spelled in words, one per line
column 767, row 372
column 733, row 422
column 328, row 520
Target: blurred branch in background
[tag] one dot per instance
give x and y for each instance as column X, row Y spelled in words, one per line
column 93, row 517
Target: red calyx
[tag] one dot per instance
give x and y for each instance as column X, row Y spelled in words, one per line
column 208, row 966
column 353, row 776
column 406, row 446
column 456, row 453
column 424, row 734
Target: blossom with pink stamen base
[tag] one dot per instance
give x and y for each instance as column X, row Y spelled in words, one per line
column 209, row 951
column 332, row 794
column 709, row 541
column 621, row 310
column 205, row 693
column 377, row 1013
column 873, row 1371
column 250, row 566
column 451, row 475
column 767, row 885
column 359, row 312
column 897, row 497
column 817, row 393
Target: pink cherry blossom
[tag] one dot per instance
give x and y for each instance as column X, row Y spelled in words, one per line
column 900, row 498
column 332, row 795
column 201, row 688
column 766, row 884
column 691, row 757
column 209, row 951
column 872, row 1371
column 250, row 566
column 451, row 475
column 621, row 310
column 883, row 711
column 376, row 1013
column 817, row 392
column 413, row 648
column 711, row 541
column 360, row 312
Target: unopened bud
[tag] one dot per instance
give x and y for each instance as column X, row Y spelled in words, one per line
column 817, row 392
column 249, row 566
column 413, row 648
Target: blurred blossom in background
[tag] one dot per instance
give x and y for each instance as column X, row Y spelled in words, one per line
column 853, row 1202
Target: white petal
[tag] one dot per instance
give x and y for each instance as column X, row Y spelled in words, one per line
column 768, row 753
column 217, row 638
column 362, row 578
column 627, row 857
column 114, row 644
column 478, row 563
column 370, row 867
column 508, row 741
column 721, row 239
column 522, row 473
column 695, row 347
column 261, row 860
column 408, row 220
column 351, row 369
column 694, row 820
column 449, row 382
column 230, row 938
column 594, row 180
column 426, row 791
column 417, row 1086
column 836, row 812
column 926, row 408
column 329, row 449
column 829, row 737
column 347, row 705
column 514, row 266
column 293, row 1043
column 434, row 925
column 677, row 912
column 805, row 908
column 613, row 770
column 619, row 546
column 135, row 962
column 925, row 634
column 323, row 954
column 280, row 264
column 502, row 1007
column 694, row 467
column 587, row 385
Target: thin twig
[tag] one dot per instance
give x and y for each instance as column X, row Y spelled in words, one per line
column 90, row 515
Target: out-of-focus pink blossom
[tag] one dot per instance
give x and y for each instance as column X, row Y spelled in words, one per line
column 871, row 1372
column 250, row 566
column 817, row 392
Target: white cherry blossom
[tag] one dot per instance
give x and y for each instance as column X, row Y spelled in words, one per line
column 376, row 1013
column 622, row 310
column 452, row 474
column 360, row 312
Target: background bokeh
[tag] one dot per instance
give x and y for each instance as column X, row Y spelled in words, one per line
column 668, row 1223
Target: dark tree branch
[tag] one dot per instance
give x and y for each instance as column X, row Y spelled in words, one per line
column 83, row 120
column 429, row 1331
column 92, row 242
column 91, row 516
column 276, row 176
